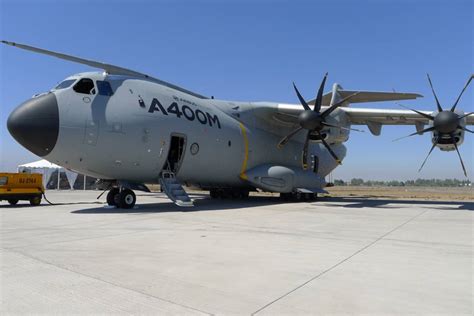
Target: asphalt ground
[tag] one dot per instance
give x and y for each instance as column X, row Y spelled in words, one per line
column 259, row 256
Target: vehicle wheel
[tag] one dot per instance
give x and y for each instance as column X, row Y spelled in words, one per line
column 127, row 199
column 111, row 196
column 35, row 201
column 12, row 202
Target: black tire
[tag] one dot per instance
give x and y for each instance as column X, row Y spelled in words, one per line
column 226, row 194
column 35, row 201
column 244, row 194
column 111, row 196
column 13, row 201
column 127, row 199
column 299, row 196
column 235, row 193
column 286, row 196
column 214, row 194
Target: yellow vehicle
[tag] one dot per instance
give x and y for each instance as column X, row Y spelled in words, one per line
column 21, row 186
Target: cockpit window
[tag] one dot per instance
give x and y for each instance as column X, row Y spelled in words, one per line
column 85, row 86
column 104, row 88
column 65, row 84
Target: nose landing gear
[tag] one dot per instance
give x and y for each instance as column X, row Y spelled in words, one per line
column 121, row 198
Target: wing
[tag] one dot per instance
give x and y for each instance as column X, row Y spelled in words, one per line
column 110, row 69
column 367, row 96
column 286, row 116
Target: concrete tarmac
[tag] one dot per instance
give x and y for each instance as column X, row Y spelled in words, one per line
column 260, row 256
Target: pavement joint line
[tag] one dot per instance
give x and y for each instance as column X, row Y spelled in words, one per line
column 340, row 262
column 108, row 282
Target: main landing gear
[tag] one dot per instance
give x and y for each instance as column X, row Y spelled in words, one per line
column 299, row 197
column 121, row 198
column 229, row 193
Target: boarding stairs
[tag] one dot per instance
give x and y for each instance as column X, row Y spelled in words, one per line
column 174, row 190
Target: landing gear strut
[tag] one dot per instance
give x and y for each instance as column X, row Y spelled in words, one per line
column 121, row 198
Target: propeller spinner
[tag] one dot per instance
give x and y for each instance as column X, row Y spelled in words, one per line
column 313, row 120
column 445, row 123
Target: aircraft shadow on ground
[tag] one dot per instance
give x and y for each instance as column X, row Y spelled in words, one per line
column 204, row 203
column 362, row 202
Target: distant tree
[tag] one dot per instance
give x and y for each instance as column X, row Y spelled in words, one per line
column 339, row 182
column 357, row 181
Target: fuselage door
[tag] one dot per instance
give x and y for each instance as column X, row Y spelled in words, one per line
column 175, row 153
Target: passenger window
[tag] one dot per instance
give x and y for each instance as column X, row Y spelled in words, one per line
column 104, row 88
column 85, row 86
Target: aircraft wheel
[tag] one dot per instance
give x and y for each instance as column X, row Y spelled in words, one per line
column 214, row 194
column 299, row 196
column 12, row 202
column 111, row 196
column 285, row 196
column 226, row 194
column 236, row 193
column 127, row 199
column 244, row 194
column 35, row 201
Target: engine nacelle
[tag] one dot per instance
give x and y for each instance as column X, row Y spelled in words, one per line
column 335, row 135
column 445, row 142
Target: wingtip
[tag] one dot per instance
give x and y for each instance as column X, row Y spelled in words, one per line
column 8, row 43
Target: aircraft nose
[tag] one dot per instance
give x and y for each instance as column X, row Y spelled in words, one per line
column 35, row 124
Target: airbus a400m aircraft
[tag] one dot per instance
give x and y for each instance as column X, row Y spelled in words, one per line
column 128, row 129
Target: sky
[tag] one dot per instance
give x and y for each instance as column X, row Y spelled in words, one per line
column 252, row 51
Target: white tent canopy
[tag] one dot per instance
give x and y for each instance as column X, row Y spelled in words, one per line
column 47, row 168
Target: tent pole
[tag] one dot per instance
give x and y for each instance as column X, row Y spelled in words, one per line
column 84, row 182
column 59, row 177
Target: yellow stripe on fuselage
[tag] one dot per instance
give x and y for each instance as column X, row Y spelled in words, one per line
column 246, row 152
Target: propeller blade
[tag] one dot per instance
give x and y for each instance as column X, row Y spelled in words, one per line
column 467, row 114
column 302, row 101
column 336, row 105
column 431, row 150
column 462, row 91
column 429, row 129
column 304, row 157
column 319, row 97
column 465, row 129
column 344, row 128
column 287, row 138
column 429, row 117
column 440, row 109
column 330, row 150
column 459, row 155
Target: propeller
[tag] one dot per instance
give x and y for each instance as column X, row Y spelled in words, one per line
column 445, row 123
column 314, row 121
